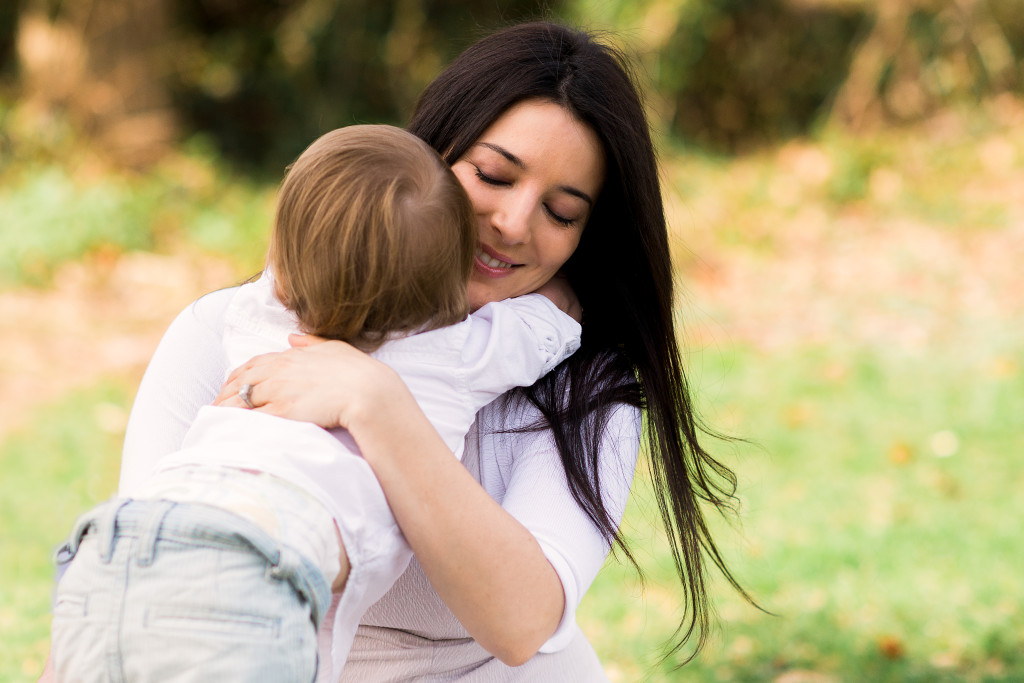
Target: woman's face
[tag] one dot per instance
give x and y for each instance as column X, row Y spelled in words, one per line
column 533, row 178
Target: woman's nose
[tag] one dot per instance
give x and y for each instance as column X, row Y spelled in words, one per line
column 512, row 220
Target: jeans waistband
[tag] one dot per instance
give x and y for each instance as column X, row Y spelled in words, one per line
column 152, row 520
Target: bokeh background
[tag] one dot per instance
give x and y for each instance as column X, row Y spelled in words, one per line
column 845, row 182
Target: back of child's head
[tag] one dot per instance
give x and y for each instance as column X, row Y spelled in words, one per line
column 373, row 235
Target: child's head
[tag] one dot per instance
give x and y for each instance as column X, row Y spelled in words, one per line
column 373, row 235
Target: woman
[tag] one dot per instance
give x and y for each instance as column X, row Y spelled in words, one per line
column 546, row 131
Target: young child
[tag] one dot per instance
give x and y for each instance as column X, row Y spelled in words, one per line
column 219, row 566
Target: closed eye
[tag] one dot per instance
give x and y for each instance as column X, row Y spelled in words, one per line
column 489, row 179
column 561, row 220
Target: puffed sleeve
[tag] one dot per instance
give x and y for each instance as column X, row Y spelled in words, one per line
column 513, row 343
column 185, row 373
column 526, row 473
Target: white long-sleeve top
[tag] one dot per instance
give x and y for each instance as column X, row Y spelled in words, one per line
column 522, row 471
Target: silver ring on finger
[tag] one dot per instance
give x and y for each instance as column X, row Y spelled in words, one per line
column 245, row 393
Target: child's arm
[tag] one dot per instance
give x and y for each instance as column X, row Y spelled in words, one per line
column 515, row 342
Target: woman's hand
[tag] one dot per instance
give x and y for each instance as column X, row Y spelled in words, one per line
column 329, row 383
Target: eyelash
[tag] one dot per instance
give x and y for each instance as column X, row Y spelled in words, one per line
column 561, row 220
column 488, row 179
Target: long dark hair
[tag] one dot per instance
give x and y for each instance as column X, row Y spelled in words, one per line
column 621, row 273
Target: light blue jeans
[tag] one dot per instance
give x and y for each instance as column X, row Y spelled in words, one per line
column 160, row 591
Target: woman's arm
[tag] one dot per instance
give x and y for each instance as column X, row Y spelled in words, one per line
column 485, row 564
column 185, row 374
column 524, row 470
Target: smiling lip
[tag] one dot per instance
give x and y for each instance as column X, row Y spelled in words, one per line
column 492, row 263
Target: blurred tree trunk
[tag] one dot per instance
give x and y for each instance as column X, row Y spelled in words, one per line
column 985, row 39
column 896, row 76
column 858, row 104
column 102, row 64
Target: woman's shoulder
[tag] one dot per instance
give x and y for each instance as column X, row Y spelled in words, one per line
column 200, row 322
column 194, row 337
column 209, row 310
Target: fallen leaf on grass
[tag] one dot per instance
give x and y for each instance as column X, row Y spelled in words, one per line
column 900, row 453
column 891, row 647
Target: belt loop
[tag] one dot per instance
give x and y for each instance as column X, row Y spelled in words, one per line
column 287, row 564
column 106, row 521
column 291, row 567
column 150, row 532
column 287, row 568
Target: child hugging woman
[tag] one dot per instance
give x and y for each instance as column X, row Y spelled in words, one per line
column 220, row 565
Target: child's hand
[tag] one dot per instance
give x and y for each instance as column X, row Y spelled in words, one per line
column 560, row 292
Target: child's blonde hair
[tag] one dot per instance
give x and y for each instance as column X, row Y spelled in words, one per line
column 373, row 235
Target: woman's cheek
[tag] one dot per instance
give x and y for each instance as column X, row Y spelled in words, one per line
column 559, row 250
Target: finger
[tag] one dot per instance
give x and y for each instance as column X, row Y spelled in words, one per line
column 231, row 397
column 251, row 373
column 229, row 390
column 234, row 375
column 230, row 402
column 258, row 394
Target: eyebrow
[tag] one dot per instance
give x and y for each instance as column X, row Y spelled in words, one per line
column 519, row 163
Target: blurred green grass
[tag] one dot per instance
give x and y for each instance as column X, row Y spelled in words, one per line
column 880, row 525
